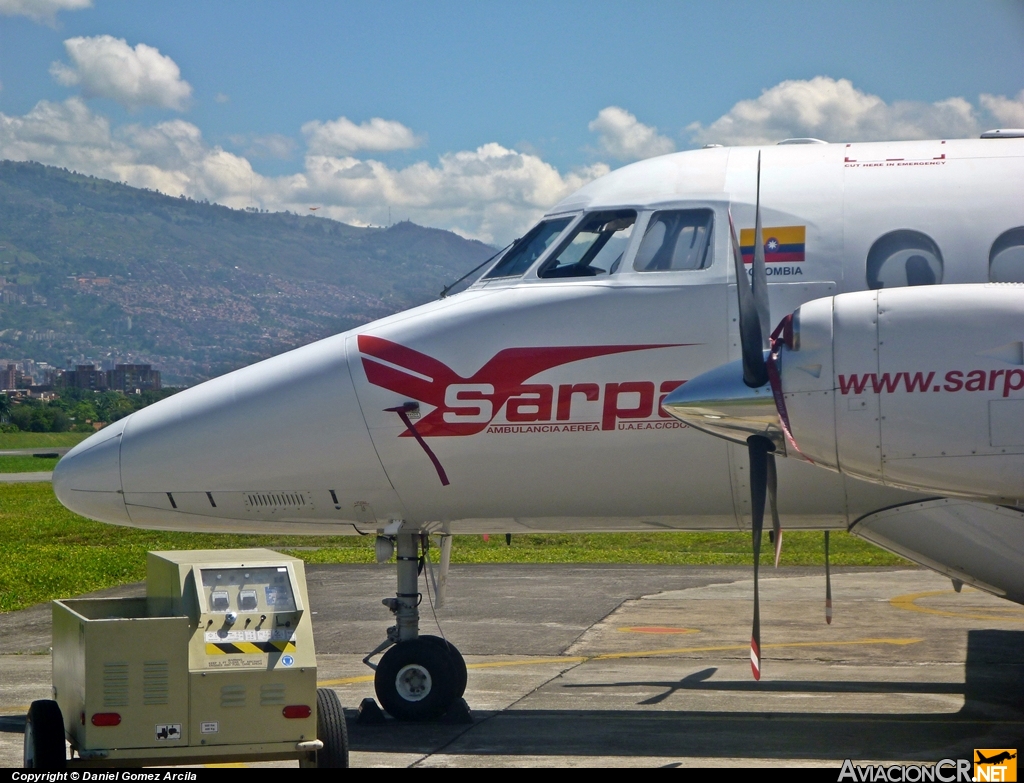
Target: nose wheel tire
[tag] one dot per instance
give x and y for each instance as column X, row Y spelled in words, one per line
column 458, row 662
column 44, row 737
column 417, row 680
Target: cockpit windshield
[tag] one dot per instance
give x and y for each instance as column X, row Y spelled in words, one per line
column 595, row 248
column 528, row 249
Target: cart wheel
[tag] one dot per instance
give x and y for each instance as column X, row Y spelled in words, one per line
column 332, row 730
column 458, row 663
column 44, row 737
column 416, row 680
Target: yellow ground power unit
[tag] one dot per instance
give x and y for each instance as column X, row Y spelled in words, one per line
column 215, row 664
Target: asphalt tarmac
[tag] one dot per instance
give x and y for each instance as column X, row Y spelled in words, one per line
column 649, row 666
column 59, row 451
column 34, row 476
column 26, row 478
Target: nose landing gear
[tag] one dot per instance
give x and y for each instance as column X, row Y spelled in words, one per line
column 419, row 677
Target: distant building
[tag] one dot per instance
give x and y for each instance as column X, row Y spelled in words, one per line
column 133, row 378
column 127, row 378
column 85, row 376
column 9, row 378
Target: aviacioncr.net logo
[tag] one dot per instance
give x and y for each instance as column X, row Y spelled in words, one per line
column 944, row 771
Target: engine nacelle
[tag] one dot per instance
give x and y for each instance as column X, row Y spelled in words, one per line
column 979, row 544
column 920, row 388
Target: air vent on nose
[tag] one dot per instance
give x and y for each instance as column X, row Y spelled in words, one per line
column 274, row 502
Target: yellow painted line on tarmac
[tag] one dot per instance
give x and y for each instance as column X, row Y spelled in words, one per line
column 494, row 665
column 565, row 659
column 909, row 602
column 529, row 662
column 730, row 647
column 345, row 681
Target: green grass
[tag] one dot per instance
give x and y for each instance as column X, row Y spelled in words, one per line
column 34, row 440
column 25, row 464
column 47, row 552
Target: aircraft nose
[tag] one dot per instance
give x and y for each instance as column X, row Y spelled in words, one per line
column 88, row 478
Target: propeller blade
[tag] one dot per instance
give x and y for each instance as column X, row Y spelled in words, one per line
column 828, row 586
column 773, row 487
column 759, row 278
column 755, row 372
column 757, row 450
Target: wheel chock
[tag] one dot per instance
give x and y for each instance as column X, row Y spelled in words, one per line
column 458, row 714
column 370, row 713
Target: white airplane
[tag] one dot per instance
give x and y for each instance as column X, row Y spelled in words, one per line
column 532, row 402
column 913, row 387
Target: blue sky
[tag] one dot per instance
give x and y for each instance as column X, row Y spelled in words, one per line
column 486, row 112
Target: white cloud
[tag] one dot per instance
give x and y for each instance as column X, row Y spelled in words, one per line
column 835, row 110
column 491, row 193
column 44, row 11
column 624, row 137
column 1007, row 112
column 107, row 67
column 273, row 145
column 222, row 97
column 170, row 157
column 343, row 137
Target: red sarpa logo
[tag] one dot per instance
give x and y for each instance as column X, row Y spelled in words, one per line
column 465, row 406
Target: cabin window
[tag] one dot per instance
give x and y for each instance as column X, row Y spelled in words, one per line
column 902, row 258
column 532, row 246
column 595, row 248
column 1006, row 259
column 676, row 239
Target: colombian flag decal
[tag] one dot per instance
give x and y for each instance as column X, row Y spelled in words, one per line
column 782, row 244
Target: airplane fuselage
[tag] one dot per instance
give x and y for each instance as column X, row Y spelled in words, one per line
column 535, row 397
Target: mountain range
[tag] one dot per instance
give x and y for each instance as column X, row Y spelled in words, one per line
column 95, row 271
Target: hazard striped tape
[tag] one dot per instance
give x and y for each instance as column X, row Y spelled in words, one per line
column 248, row 648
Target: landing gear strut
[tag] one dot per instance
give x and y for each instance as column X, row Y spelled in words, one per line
column 419, row 677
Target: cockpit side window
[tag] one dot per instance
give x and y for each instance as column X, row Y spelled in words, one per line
column 595, row 248
column 676, row 239
column 532, row 246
